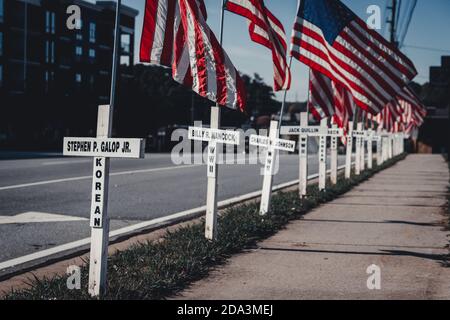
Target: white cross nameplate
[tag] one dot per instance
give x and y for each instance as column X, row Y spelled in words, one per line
column 104, row 147
column 310, row 131
column 359, row 134
column 100, row 149
column 266, row 142
column 213, row 136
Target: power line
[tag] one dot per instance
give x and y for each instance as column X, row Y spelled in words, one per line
column 427, row 48
column 401, row 26
column 411, row 13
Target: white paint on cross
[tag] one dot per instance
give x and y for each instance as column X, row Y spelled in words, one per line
column 272, row 143
column 304, row 131
column 360, row 136
column 102, row 149
column 213, row 136
column 349, row 151
column 334, row 155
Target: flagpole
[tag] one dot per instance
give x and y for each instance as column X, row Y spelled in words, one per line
column 115, row 61
column 212, row 183
column 284, row 96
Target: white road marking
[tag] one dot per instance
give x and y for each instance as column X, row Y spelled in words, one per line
column 37, row 217
column 145, row 224
column 40, row 183
column 62, row 162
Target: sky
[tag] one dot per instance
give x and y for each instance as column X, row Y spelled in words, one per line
column 430, row 28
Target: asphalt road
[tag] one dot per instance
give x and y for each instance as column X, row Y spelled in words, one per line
column 139, row 190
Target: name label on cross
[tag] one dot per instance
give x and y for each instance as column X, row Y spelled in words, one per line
column 104, row 147
column 335, row 132
column 279, row 144
column 214, row 135
column 310, row 131
column 359, row 133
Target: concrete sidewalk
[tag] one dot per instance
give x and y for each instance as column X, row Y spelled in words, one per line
column 394, row 220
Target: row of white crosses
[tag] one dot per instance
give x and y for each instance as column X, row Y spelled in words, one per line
column 304, row 131
column 103, row 147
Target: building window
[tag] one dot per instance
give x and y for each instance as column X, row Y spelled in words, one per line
column 91, row 53
column 50, row 22
column 46, row 78
column 1, row 10
column 125, row 43
column 79, row 51
column 79, row 36
column 1, row 43
column 47, row 51
column 50, row 52
column 92, row 32
column 78, row 77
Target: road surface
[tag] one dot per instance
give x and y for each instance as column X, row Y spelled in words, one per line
column 45, row 202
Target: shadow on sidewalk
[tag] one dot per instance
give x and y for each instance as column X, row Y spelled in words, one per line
column 422, row 224
column 435, row 257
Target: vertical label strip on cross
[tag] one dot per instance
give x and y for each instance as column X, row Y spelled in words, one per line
column 303, row 157
column 358, row 150
column 268, row 170
column 99, row 197
column 211, row 194
column 323, row 157
column 349, row 151
column 334, row 158
column 369, row 150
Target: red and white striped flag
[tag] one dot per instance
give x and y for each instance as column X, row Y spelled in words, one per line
column 267, row 30
column 175, row 34
column 330, row 38
column 413, row 109
column 330, row 100
column 344, row 107
column 320, row 96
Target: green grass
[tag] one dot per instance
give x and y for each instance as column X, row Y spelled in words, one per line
column 162, row 268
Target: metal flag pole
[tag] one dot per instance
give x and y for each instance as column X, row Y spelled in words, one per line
column 284, row 96
column 100, row 236
column 211, row 193
column 115, row 62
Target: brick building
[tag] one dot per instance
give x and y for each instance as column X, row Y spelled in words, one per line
column 46, row 65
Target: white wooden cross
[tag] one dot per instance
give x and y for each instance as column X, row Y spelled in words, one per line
column 323, row 156
column 378, row 140
column 390, row 146
column 272, row 143
column 213, row 136
column 102, row 149
column 360, row 136
column 349, row 151
column 305, row 131
column 363, row 150
column 372, row 136
column 333, row 157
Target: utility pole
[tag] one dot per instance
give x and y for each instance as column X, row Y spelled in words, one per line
column 393, row 22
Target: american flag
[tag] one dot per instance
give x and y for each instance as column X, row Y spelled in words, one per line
column 267, row 30
column 344, row 107
column 412, row 109
column 329, row 100
column 320, row 96
column 175, row 34
column 330, row 38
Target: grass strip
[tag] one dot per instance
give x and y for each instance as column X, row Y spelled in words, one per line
column 155, row 270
